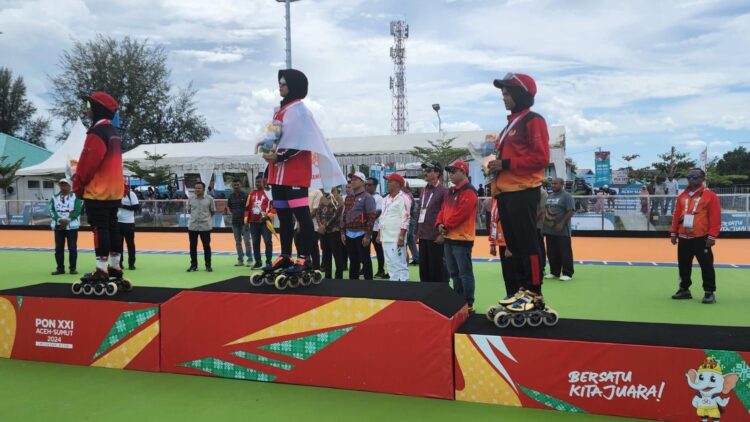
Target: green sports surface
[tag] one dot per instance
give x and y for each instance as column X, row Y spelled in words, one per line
column 40, row 391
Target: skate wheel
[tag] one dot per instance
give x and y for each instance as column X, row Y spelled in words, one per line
column 502, row 319
column 551, row 318
column 256, row 280
column 88, row 289
column 535, row 319
column 99, row 289
column 76, row 288
column 294, row 281
column 280, row 282
column 518, row 320
column 305, row 280
column 491, row 312
column 110, row 288
column 317, row 277
column 126, row 285
column 269, row 279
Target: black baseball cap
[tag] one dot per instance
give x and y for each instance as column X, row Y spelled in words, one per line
column 432, row 165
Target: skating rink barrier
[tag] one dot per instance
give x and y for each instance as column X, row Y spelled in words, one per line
column 46, row 322
column 640, row 370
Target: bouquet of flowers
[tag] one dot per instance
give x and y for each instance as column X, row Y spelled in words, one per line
column 484, row 152
column 271, row 138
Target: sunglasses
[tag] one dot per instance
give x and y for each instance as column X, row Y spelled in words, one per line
column 693, row 177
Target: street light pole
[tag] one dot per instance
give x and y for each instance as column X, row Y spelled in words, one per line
column 287, row 6
column 436, row 107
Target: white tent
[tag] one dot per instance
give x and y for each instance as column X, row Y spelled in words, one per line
column 59, row 160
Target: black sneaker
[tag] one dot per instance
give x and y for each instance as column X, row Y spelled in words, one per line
column 58, row 272
column 414, row 262
column 131, row 267
column 192, row 268
column 682, row 294
column 73, row 271
column 709, row 298
column 257, row 265
column 209, row 269
column 239, row 264
column 386, row 276
column 379, row 274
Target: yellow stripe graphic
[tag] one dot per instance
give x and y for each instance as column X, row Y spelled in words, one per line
column 121, row 356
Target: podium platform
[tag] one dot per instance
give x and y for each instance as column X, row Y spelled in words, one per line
column 614, row 368
column 46, row 322
column 363, row 335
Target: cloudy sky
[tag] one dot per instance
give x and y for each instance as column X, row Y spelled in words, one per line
column 627, row 76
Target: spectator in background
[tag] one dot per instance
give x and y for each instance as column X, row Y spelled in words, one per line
column 241, row 230
column 65, row 210
column 539, row 225
column 559, row 209
column 480, row 191
column 328, row 217
column 660, row 190
column 201, row 209
column 150, row 193
column 410, row 241
column 600, row 196
column 696, row 224
column 313, row 198
column 126, row 223
column 457, row 226
column 673, row 189
column 371, row 186
column 431, row 264
column 259, row 213
column 644, row 200
column 394, row 227
column 610, row 193
column 356, row 227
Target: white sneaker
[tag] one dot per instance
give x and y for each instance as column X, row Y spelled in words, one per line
column 565, row 278
column 550, row 276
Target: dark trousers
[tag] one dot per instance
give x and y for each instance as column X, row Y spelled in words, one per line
column 258, row 231
column 205, row 237
column 410, row 243
column 359, row 258
column 542, row 250
column 333, row 251
column 431, row 262
column 560, row 254
column 314, row 247
column 378, row 252
column 282, row 196
column 510, row 275
column 102, row 217
column 127, row 230
column 461, row 269
column 518, row 219
column 72, row 238
column 687, row 249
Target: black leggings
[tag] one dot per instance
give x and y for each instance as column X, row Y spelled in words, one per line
column 102, row 217
column 291, row 203
column 518, row 219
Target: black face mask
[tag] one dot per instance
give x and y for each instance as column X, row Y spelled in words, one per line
column 296, row 83
column 99, row 112
column 521, row 97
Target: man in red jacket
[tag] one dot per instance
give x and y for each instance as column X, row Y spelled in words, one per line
column 696, row 223
column 456, row 225
column 522, row 156
column 98, row 180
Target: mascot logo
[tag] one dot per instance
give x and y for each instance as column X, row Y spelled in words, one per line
column 710, row 383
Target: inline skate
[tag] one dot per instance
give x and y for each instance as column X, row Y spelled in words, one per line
column 529, row 309
column 301, row 273
column 503, row 304
column 100, row 283
column 271, row 271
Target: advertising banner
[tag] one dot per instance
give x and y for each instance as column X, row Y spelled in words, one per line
column 649, row 382
column 602, row 169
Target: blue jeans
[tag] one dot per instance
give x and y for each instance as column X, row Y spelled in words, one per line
column 241, row 232
column 460, row 269
column 258, row 230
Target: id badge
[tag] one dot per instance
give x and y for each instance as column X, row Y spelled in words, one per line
column 422, row 215
column 687, row 221
column 256, row 211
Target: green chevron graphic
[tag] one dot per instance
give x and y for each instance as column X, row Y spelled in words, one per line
column 226, row 369
column 126, row 323
column 262, row 359
column 304, row 347
column 550, row 401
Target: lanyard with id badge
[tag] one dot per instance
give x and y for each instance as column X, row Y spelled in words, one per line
column 689, row 219
column 423, row 211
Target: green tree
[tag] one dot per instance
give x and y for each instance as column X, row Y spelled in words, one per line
column 734, row 162
column 716, row 177
column 154, row 174
column 17, row 112
column 441, row 151
column 136, row 74
column 674, row 163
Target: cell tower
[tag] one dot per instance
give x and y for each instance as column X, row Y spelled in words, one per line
column 399, row 121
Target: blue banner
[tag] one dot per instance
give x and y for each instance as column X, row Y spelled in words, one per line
column 602, row 170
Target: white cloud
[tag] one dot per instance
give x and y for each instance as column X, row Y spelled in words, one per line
column 579, row 129
column 214, row 56
column 466, row 125
column 719, row 144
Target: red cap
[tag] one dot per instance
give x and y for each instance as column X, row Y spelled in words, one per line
column 396, row 178
column 458, row 164
column 517, row 79
column 105, row 100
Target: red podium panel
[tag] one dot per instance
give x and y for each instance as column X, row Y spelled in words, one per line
column 47, row 323
column 641, row 381
column 315, row 336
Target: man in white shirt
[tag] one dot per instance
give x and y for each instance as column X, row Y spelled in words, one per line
column 394, row 224
column 673, row 190
column 371, row 186
column 126, row 223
